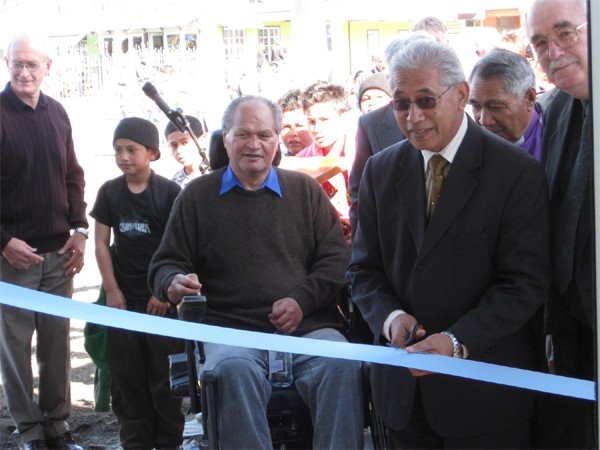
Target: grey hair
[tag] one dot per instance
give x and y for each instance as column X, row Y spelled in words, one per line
column 227, row 120
column 431, row 23
column 36, row 42
column 419, row 53
column 397, row 44
column 513, row 69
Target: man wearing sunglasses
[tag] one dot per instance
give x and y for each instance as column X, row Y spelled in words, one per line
column 558, row 34
column 459, row 245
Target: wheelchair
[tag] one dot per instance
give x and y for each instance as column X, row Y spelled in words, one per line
column 288, row 416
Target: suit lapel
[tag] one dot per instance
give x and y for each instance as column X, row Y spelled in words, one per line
column 411, row 190
column 458, row 187
column 383, row 128
column 556, row 144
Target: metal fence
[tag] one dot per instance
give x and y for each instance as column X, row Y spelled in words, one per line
column 75, row 74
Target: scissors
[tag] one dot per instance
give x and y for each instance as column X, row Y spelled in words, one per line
column 413, row 333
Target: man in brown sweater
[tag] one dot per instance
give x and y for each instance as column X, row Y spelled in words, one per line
column 265, row 247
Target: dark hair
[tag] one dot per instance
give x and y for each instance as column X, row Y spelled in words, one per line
column 322, row 92
column 291, row 100
column 198, row 128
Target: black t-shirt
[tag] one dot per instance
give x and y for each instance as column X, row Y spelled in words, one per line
column 137, row 222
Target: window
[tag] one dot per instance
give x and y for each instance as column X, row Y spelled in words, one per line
column 373, row 43
column 267, row 37
column 157, row 42
column 138, row 42
column 233, row 41
column 190, row 41
column 173, row 41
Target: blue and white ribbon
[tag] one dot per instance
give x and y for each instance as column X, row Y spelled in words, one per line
column 60, row 306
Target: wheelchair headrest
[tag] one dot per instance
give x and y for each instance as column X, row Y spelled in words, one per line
column 217, row 155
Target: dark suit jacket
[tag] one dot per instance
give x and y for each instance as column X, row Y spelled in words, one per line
column 376, row 130
column 480, row 269
column 562, row 135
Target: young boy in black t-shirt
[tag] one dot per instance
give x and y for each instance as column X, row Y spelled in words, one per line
column 135, row 207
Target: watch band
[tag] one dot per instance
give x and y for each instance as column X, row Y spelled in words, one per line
column 83, row 231
column 458, row 352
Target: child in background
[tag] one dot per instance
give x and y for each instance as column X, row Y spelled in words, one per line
column 135, row 207
column 185, row 151
column 325, row 106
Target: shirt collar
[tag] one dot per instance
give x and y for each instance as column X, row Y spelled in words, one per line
column 229, row 181
column 449, row 151
column 17, row 103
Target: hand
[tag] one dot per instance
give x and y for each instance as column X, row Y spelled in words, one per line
column 156, row 308
column 400, row 329
column 116, row 299
column 76, row 245
column 347, row 229
column 20, row 255
column 183, row 285
column 286, row 315
column 438, row 343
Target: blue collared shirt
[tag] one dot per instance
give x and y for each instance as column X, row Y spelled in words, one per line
column 230, row 181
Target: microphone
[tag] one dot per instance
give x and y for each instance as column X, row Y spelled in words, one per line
column 174, row 116
column 179, row 120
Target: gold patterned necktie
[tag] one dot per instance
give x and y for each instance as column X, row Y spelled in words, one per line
column 433, row 184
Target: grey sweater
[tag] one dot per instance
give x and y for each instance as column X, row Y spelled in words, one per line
column 251, row 248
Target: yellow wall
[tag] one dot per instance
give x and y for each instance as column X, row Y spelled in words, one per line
column 360, row 57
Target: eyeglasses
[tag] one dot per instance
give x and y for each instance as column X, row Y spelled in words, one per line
column 426, row 102
column 17, row 66
column 564, row 37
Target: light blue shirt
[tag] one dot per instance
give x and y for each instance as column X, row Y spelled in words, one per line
column 230, row 181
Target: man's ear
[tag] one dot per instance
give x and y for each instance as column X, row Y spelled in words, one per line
column 463, row 93
column 531, row 98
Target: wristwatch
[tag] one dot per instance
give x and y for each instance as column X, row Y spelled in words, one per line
column 83, row 231
column 458, row 349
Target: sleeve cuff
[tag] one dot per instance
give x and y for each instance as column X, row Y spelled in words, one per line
column 385, row 331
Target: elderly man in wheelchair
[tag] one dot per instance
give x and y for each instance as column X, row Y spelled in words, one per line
column 265, row 246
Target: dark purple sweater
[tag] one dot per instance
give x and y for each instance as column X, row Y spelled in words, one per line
column 41, row 182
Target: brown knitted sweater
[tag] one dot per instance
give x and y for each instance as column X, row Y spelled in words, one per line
column 251, row 248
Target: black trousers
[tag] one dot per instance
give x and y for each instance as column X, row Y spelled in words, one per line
column 149, row 416
column 418, row 435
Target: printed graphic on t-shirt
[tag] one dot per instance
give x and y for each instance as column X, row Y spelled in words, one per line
column 133, row 226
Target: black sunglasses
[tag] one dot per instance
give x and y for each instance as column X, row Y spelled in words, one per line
column 426, row 102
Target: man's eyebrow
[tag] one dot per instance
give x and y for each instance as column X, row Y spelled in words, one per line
column 495, row 102
column 564, row 23
column 556, row 26
column 424, row 90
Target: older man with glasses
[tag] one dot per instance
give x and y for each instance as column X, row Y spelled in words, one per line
column 453, row 244
column 43, row 232
column 558, row 32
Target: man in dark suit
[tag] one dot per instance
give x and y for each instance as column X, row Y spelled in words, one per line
column 558, row 31
column 470, row 265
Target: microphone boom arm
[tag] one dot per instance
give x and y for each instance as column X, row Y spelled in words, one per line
column 179, row 120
